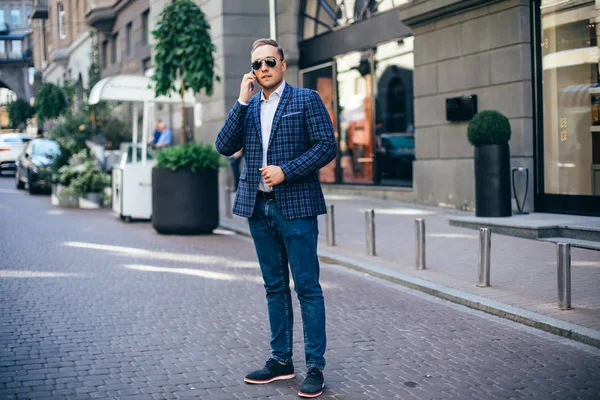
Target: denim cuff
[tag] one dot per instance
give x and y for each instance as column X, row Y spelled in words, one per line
column 321, row 367
column 281, row 360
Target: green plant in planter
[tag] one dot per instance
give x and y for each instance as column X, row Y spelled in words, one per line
column 489, row 127
column 192, row 156
column 82, row 175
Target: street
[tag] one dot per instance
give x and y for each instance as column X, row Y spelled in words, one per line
column 95, row 308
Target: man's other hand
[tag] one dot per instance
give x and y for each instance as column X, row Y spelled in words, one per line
column 273, row 175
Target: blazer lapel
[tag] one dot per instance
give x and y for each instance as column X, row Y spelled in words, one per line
column 256, row 114
column 285, row 98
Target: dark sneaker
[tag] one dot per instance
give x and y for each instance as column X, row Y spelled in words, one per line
column 313, row 384
column 273, row 371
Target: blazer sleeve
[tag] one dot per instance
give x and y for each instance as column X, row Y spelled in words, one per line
column 231, row 136
column 323, row 146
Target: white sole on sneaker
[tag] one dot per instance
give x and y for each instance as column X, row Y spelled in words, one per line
column 275, row 378
column 301, row 394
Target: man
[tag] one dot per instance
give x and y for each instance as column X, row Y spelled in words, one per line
column 287, row 137
column 165, row 137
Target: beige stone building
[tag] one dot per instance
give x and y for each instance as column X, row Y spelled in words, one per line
column 63, row 46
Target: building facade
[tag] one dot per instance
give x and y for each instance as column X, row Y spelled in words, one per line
column 389, row 71
column 15, row 47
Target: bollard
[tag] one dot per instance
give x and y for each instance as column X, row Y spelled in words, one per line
column 485, row 245
column 370, row 231
column 330, row 226
column 564, row 275
column 420, row 243
column 228, row 203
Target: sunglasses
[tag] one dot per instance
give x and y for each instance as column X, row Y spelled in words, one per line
column 270, row 61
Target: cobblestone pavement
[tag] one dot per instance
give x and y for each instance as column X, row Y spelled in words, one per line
column 91, row 307
column 523, row 271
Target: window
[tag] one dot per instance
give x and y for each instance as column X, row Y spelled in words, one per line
column 61, row 21
column 105, row 54
column 15, row 17
column 114, row 51
column 144, row 30
column 2, row 49
column 570, row 85
column 128, row 40
column 321, row 16
column 1, row 15
column 17, row 51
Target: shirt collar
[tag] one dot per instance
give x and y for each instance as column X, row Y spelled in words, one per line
column 278, row 91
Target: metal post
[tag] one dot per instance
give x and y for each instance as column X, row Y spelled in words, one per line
column 485, row 245
column 228, row 202
column 564, row 276
column 420, row 242
column 330, row 226
column 370, row 231
column 273, row 19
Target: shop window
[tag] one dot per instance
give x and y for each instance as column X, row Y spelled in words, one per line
column 321, row 79
column 571, row 98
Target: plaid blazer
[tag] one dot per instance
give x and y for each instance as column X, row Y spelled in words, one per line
column 301, row 142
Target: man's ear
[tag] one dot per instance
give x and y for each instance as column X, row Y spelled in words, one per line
column 283, row 66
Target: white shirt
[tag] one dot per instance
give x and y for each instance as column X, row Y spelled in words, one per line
column 267, row 113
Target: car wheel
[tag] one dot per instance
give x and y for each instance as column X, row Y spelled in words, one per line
column 20, row 185
column 32, row 189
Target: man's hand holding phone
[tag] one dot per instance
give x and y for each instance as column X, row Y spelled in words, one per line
column 248, row 87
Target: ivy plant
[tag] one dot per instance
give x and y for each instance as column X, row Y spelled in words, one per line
column 50, row 101
column 184, row 51
column 19, row 111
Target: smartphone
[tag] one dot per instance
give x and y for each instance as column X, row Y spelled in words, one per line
column 251, row 86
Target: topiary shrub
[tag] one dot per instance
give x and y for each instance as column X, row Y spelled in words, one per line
column 489, row 127
column 192, row 156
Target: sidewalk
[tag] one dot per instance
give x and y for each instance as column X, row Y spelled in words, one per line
column 522, row 274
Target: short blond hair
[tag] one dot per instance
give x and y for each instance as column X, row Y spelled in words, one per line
column 267, row 42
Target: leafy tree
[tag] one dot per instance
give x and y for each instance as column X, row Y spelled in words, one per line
column 184, row 50
column 19, row 111
column 50, row 101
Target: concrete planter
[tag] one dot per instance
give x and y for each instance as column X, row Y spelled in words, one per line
column 90, row 201
column 60, row 199
column 185, row 202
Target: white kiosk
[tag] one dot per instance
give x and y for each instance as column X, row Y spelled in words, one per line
column 132, row 178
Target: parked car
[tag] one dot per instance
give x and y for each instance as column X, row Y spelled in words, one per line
column 33, row 165
column 11, row 146
column 396, row 155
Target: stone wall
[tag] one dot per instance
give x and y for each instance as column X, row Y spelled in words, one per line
column 465, row 48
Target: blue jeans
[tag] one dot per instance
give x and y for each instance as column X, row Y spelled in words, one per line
column 277, row 241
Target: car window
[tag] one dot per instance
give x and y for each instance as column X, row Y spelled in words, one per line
column 15, row 139
column 45, row 147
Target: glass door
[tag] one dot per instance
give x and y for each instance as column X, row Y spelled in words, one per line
column 568, row 95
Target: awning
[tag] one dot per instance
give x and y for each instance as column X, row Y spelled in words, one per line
column 133, row 88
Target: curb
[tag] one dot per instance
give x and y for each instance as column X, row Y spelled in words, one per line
column 549, row 324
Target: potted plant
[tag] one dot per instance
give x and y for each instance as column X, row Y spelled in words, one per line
column 83, row 180
column 489, row 131
column 185, row 189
